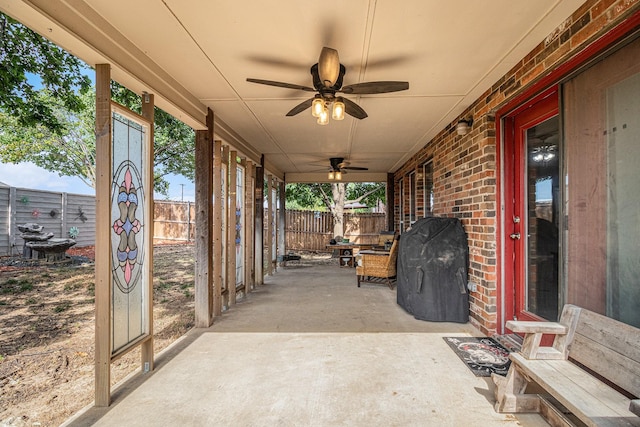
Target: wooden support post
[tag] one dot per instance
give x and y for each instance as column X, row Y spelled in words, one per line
column 204, row 227
column 231, row 228
column 147, row 346
column 390, row 202
column 281, row 221
column 217, row 228
column 225, row 200
column 270, row 224
column 259, row 224
column 249, row 245
column 103, row 237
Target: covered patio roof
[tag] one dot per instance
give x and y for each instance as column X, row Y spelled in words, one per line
column 198, row 54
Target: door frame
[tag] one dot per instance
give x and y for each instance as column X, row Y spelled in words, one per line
column 537, row 110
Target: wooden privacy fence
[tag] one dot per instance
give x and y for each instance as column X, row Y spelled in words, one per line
column 311, row 231
column 173, row 221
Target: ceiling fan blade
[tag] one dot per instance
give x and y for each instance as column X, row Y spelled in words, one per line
column 300, row 107
column 356, row 168
column 328, row 66
column 353, row 109
column 281, row 84
column 374, row 87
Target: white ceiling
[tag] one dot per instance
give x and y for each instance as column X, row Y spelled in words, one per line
column 198, row 53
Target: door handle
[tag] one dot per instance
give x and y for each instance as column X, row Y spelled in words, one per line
column 515, row 236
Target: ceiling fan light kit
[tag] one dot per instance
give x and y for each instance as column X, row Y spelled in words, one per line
column 327, row 77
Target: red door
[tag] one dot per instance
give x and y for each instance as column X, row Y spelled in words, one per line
column 532, row 220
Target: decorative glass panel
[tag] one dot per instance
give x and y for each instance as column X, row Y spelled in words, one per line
column 239, row 226
column 129, row 282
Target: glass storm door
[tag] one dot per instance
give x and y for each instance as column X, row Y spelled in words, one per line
column 532, row 220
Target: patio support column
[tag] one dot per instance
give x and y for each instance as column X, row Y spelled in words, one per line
column 231, row 228
column 148, row 103
column 270, row 224
column 102, row 247
column 259, row 224
column 248, row 232
column 204, row 225
column 390, row 202
column 281, row 221
column 226, row 188
column 217, row 228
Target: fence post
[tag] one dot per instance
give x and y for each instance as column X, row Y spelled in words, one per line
column 12, row 219
column 63, row 215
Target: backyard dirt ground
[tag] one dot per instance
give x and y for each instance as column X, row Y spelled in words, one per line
column 47, row 331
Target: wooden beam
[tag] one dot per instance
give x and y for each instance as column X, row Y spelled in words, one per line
column 270, row 224
column 147, row 346
column 217, row 228
column 103, row 237
column 204, row 229
column 225, row 203
column 258, row 219
column 249, row 245
column 231, row 228
column 390, row 202
column 281, row 213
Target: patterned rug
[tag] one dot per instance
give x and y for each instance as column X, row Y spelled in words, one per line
column 482, row 355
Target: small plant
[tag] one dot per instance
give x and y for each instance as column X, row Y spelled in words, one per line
column 31, row 301
column 25, row 285
column 63, row 306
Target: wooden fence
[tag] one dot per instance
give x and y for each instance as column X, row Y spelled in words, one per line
column 58, row 213
column 311, row 231
column 173, row 221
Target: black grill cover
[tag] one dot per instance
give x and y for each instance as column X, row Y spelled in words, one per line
column 432, row 270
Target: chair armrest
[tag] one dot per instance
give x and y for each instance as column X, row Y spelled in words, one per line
column 527, row 327
column 634, row 406
column 533, row 332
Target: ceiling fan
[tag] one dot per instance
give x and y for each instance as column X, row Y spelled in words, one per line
column 338, row 166
column 327, row 81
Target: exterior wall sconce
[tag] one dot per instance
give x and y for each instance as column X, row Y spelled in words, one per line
column 464, row 126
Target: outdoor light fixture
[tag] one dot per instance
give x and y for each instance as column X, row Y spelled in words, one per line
column 323, row 118
column 464, row 126
column 317, row 106
column 338, row 109
column 334, row 175
column 320, row 109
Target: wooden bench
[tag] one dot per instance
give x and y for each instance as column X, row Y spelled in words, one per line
column 591, row 356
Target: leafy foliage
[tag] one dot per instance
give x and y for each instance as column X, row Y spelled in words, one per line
column 316, row 196
column 23, row 53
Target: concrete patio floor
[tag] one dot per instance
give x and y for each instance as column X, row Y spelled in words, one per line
column 310, row 349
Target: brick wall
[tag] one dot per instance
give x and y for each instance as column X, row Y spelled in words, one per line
column 465, row 169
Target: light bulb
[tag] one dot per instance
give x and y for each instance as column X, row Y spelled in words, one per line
column 338, row 110
column 317, row 105
column 338, row 175
column 324, row 117
column 331, row 175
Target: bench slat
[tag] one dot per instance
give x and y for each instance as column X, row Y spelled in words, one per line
column 589, row 399
column 610, row 348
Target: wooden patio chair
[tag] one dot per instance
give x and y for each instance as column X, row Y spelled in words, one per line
column 374, row 267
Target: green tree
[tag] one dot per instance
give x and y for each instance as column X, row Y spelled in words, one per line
column 72, row 153
column 24, row 54
column 333, row 197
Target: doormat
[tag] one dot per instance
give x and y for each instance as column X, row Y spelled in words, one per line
column 484, row 356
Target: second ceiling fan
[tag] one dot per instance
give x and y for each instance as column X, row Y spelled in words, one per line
column 327, row 75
